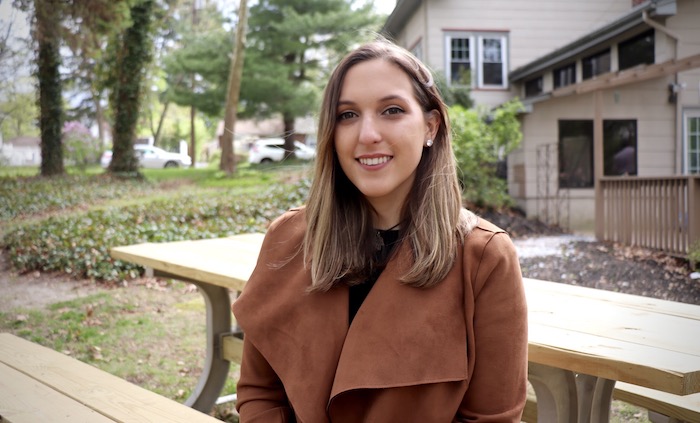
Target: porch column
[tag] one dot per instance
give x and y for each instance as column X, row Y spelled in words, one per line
column 598, row 163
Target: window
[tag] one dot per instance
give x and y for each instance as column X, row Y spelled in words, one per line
column 460, row 62
column 692, row 142
column 619, row 147
column 595, row 65
column 565, row 75
column 479, row 59
column 534, row 87
column 493, row 60
column 576, row 153
column 636, row 51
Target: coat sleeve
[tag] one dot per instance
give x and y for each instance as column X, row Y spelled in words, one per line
column 497, row 345
column 261, row 396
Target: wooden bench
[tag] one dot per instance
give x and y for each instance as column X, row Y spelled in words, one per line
column 38, row 384
column 662, row 407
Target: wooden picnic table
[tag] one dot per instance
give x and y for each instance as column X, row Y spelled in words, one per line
column 38, row 384
column 581, row 340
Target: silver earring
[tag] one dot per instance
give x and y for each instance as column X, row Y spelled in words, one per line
column 429, row 143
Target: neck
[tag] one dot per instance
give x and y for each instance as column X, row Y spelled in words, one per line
column 386, row 221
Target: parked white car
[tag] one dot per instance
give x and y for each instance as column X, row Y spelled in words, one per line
column 151, row 157
column 270, row 150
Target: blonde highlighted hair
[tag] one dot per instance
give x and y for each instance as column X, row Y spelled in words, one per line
column 339, row 242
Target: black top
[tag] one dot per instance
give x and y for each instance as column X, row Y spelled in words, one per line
column 386, row 242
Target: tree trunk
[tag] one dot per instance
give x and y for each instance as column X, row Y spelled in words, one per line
column 228, row 158
column 288, row 136
column 50, row 89
column 193, row 135
column 161, row 120
column 133, row 55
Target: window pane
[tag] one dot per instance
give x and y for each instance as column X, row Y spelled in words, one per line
column 566, row 75
column 460, row 73
column 637, row 51
column 596, row 64
column 460, row 49
column 576, row 153
column 493, row 74
column 619, row 147
column 492, row 50
column 534, row 87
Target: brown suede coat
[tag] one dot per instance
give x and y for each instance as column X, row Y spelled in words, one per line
column 456, row 352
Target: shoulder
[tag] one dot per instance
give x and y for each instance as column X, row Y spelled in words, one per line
column 486, row 247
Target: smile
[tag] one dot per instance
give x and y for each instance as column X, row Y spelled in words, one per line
column 374, row 161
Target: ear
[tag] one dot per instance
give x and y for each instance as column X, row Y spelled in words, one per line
column 432, row 124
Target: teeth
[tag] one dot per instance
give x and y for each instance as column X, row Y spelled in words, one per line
column 374, row 161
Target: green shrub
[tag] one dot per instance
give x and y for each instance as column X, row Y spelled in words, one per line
column 480, row 140
column 694, row 254
column 79, row 245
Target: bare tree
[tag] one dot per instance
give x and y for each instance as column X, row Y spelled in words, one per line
column 228, row 158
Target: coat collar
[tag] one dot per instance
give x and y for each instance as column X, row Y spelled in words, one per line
column 401, row 336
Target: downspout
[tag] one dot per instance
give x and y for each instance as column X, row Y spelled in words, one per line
column 678, row 127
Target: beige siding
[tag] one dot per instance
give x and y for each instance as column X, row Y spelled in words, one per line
column 645, row 102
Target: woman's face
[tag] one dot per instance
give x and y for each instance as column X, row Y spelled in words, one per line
column 380, row 132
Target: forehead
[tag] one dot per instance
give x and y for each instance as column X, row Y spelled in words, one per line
column 375, row 78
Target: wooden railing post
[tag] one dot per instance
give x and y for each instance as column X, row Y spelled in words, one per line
column 693, row 210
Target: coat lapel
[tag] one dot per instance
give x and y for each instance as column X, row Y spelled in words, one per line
column 299, row 333
column 405, row 336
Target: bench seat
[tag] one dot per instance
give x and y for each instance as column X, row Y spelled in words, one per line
column 663, row 407
column 38, row 382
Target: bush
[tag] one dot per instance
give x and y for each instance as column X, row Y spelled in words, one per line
column 480, row 141
column 80, row 148
column 79, row 245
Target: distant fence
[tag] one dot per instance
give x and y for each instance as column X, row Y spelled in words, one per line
column 653, row 212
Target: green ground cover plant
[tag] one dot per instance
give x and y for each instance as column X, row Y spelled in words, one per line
column 78, row 244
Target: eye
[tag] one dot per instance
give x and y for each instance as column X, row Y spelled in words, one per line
column 393, row 110
column 346, row 115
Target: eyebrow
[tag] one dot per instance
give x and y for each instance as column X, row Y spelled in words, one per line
column 389, row 97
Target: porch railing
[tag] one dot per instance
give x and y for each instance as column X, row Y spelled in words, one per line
column 653, row 212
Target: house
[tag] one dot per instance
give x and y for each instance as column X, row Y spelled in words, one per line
column 20, row 151
column 611, row 90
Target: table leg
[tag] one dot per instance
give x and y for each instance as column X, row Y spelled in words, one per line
column 566, row 397
column 215, row 369
column 594, row 398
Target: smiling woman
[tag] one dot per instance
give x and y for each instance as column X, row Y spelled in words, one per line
column 383, row 299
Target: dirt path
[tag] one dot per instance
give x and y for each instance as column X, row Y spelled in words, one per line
column 37, row 290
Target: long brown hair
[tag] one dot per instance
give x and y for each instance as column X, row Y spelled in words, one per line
column 339, row 240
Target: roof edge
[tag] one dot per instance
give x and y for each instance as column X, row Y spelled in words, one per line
column 612, row 29
column 399, row 16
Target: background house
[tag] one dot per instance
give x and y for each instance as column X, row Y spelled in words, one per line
column 597, row 78
column 20, row 151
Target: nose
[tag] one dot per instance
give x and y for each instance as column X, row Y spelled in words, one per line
column 369, row 130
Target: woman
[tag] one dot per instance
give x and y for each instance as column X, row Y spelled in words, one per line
column 383, row 300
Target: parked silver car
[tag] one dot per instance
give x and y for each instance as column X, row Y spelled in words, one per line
column 269, row 150
column 151, row 157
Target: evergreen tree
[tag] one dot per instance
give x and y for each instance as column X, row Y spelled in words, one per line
column 291, row 44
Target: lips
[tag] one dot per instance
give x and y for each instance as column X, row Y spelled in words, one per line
column 374, row 161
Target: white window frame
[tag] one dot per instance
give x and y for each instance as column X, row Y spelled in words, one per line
column 476, row 55
column 687, row 115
